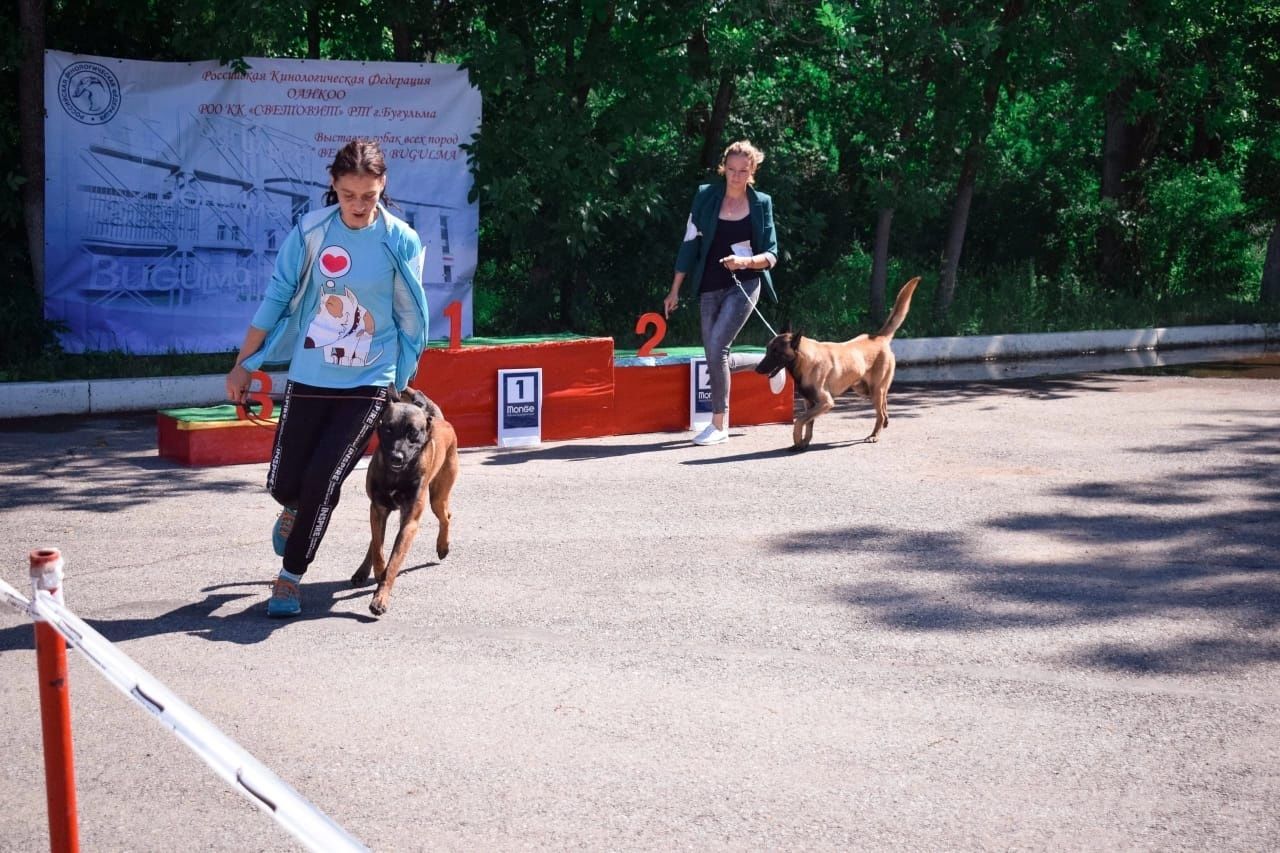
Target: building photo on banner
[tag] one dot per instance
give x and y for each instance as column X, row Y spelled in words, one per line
column 171, row 185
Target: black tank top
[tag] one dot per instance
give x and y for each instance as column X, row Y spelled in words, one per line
column 728, row 232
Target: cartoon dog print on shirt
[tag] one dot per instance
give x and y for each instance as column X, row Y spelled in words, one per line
column 343, row 328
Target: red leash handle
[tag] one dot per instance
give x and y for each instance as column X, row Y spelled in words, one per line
column 262, row 396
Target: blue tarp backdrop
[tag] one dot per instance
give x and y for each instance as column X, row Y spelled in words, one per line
column 171, row 185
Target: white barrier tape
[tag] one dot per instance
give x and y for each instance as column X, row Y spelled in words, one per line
column 252, row 779
column 14, row 599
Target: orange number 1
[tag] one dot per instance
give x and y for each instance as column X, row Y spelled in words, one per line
column 454, row 312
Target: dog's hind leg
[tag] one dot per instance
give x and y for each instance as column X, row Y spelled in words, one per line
column 373, row 557
column 881, row 403
column 441, row 486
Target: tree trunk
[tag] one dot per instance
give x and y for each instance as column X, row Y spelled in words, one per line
column 698, row 53
column 880, row 264
column 714, row 130
column 570, row 286
column 31, row 18
column 946, row 292
column 1125, row 147
column 401, row 42
column 1270, row 294
column 995, row 80
column 313, row 30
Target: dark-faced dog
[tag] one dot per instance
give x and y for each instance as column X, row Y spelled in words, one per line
column 822, row 370
column 416, row 462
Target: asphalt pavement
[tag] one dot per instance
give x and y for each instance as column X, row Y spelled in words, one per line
column 1039, row 614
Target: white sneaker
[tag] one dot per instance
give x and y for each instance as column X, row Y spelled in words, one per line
column 778, row 381
column 711, row 435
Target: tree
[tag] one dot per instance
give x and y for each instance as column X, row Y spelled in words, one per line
column 1262, row 170
column 990, row 44
column 31, row 17
column 573, row 93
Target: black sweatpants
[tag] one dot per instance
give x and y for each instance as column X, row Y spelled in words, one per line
column 322, row 433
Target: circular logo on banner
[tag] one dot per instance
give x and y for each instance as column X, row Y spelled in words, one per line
column 89, row 92
column 334, row 261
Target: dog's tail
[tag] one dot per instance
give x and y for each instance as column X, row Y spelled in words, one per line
column 901, row 306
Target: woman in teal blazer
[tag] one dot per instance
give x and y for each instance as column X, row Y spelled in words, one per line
column 729, row 234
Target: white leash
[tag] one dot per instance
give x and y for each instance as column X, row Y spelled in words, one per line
column 753, row 304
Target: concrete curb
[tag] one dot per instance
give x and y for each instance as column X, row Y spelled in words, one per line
column 984, row 347
column 102, row 396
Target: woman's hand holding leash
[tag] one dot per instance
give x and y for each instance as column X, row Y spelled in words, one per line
column 238, row 377
column 737, row 262
column 237, row 383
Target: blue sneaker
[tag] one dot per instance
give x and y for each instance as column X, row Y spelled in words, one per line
column 280, row 531
column 285, row 599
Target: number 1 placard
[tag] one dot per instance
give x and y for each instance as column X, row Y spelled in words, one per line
column 520, row 407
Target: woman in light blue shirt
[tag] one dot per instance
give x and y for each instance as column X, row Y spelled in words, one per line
column 346, row 310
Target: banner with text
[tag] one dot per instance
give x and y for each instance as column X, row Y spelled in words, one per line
column 170, row 186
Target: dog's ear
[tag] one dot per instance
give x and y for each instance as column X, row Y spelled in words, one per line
column 414, row 396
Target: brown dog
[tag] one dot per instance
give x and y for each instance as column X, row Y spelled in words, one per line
column 416, row 462
column 822, row 371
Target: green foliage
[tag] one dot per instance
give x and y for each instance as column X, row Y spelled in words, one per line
column 1195, row 235
column 597, row 114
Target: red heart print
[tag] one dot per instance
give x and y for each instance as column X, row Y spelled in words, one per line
column 333, row 263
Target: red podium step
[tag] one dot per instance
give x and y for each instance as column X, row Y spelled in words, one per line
column 587, row 393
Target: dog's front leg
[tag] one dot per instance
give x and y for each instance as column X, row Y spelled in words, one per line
column 802, row 434
column 409, row 522
column 798, row 441
column 373, row 557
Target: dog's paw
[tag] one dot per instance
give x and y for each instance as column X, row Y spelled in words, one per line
column 442, row 552
column 378, row 606
column 797, row 448
column 360, row 578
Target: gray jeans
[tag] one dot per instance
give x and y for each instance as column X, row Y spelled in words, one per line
column 723, row 314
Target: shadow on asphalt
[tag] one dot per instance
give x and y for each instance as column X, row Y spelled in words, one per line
column 1212, row 571
column 1034, row 388
column 1215, row 573
column 115, row 456
column 116, row 484
column 781, row 452
column 247, row 626
column 568, row 452
column 909, row 401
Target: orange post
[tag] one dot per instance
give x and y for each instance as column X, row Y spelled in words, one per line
column 55, row 711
